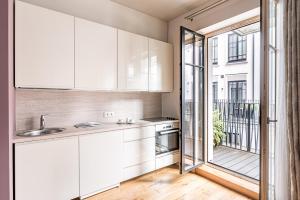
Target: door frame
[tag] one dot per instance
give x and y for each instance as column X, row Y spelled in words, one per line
column 182, row 145
column 264, row 138
column 225, row 29
column 264, row 127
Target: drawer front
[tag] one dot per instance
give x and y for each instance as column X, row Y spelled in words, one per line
column 139, row 133
column 137, row 170
column 167, row 160
column 139, row 151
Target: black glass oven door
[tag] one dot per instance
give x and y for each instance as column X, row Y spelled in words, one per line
column 167, row 141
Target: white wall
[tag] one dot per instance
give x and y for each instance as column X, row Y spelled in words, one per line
column 171, row 106
column 110, row 13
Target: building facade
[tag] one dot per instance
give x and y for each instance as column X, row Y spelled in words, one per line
column 235, row 63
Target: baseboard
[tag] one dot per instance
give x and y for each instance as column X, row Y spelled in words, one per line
column 237, row 184
column 99, row 191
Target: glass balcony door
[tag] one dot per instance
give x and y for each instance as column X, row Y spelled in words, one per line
column 192, row 100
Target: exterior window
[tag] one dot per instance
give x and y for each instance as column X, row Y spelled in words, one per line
column 215, row 51
column 215, row 91
column 237, row 91
column 237, row 47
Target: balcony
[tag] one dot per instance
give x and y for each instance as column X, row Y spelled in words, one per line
column 239, row 141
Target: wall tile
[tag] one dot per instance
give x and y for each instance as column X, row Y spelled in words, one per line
column 66, row 108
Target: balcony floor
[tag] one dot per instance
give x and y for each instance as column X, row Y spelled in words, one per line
column 243, row 162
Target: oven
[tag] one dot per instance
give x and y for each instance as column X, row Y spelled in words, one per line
column 166, row 137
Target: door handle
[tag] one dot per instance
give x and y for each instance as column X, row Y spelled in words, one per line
column 271, row 120
column 168, row 132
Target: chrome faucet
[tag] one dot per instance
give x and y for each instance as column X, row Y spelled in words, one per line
column 42, row 122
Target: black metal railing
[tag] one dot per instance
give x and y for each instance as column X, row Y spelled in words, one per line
column 240, row 122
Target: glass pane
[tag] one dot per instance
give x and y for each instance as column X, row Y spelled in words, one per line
column 272, row 21
column 188, row 114
column 198, row 51
column 272, row 115
column 188, row 47
column 272, row 95
column 199, row 114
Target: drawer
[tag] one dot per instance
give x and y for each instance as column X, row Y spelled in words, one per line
column 138, row 133
column 138, row 151
column 137, row 170
column 166, row 160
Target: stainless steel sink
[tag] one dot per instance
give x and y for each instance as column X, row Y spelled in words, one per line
column 40, row 132
column 87, row 124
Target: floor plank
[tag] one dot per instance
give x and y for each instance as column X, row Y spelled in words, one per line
column 243, row 162
column 168, row 184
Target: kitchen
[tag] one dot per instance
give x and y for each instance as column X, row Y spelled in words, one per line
column 94, row 139
column 96, row 97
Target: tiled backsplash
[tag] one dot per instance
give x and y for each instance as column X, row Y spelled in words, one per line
column 65, row 108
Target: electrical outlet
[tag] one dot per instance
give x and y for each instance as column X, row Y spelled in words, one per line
column 111, row 114
column 108, row 114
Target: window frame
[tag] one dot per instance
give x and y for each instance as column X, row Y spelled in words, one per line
column 237, row 82
column 215, row 45
column 215, row 89
column 240, row 44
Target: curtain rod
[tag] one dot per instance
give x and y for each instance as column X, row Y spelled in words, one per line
column 211, row 6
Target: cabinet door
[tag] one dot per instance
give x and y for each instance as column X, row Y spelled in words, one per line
column 95, row 56
column 44, row 48
column 139, row 151
column 138, row 170
column 47, row 170
column 132, row 61
column 138, row 133
column 100, row 161
column 161, row 66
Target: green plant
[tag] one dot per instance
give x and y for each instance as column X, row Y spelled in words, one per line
column 218, row 128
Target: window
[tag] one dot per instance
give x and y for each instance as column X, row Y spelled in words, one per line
column 237, row 47
column 237, row 91
column 215, row 91
column 215, row 51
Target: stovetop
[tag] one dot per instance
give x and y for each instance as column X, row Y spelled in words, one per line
column 159, row 119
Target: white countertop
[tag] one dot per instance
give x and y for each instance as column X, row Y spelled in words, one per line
column 72, row 131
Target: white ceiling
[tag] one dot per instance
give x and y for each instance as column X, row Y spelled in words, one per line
column 162, row 9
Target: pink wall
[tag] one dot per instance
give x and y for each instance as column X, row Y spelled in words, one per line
column 6, row 96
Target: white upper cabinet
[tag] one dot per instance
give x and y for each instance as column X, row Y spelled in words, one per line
column 56, row 50
column 95, row 56
column 44, row 48
column 161, row 66
column 132, row 61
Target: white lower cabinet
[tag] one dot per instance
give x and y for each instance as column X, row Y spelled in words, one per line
column 139, row 151
column 137, row 170
column 66, row 168
column 100, row 161
column 166, row 160
column 47, row 170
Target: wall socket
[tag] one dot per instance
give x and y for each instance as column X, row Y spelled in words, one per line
column 108, row 114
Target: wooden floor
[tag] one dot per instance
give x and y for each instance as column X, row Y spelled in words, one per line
column 243, row 162
column 168, row 184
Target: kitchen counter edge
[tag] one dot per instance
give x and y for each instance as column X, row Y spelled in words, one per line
column 72, row 131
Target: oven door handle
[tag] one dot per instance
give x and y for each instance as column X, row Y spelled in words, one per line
column 167, row 132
